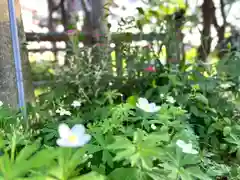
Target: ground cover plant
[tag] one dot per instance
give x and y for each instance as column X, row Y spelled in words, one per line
column 154, row 122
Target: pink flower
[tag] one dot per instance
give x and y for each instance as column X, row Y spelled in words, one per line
column 150, row 69
column 71, row 32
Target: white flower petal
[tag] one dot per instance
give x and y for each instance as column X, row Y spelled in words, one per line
column 76, row 103
column 65, row 143
column 194, row 151
column 152, row 105
column 63, row 130
column 146, row 106
column 180, row 143
column 170, row 99
column 189, row 151
column 138, row 105
column 153, row 126
column 186, row 147
column 78, row 130
column 67, row 113
column 63, row 112
column 84, row 140
column 157, row 108
column 142, row 101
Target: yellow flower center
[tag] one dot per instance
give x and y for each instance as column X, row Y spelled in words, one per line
column 147, row 107
column 72, row 138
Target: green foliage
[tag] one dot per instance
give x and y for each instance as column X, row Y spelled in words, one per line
column 199, row 106
column 128, row 143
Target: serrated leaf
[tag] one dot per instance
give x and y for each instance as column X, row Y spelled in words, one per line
column 120, row 143
column 5, row 164
column 107, row 157
column 194, row 110
column 39, row 159
column 226, row 131
column 91, row 148
column 100, row 139
column 76, row 159
column 197, row 172
column 124, row 174
column 125, row 154
column 189, row 160
column 19, row 169
column 26, row 152
column 201, row 98
column 90, row 176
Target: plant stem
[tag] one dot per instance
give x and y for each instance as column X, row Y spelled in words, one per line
column 13, row 147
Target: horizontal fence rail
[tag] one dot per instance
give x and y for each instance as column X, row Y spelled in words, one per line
column 115, row 37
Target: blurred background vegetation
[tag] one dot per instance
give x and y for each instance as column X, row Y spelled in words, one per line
column 103, row 55
column 169, row 31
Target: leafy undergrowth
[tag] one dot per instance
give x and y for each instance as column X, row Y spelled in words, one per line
column 176, row 125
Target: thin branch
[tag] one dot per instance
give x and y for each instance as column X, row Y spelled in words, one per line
column 223, row 12
column 215, row 22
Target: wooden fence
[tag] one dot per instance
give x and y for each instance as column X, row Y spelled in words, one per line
column 116, row 38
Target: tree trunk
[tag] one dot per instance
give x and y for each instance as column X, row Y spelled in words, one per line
column 8, row 88
column 96, row 29
column 208, row 13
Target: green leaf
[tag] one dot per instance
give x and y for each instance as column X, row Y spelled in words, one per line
column 140, row 10
column 120, row 143
column 194, row 110
column 196, row 172
column 5, row 164
column 100, row 139
column 39, row 159
column 124, row 174
column 36, row 178
column 107, row 157
column 125, row 154
column 2, row 143
column 91, row 176
column 238, row 154
column 76, row 159
column 132, row 100
column 91, row 148
column 156, row 137
column 184, row 175
column 20, row 169
column 226, row 130
column 189, row 160
column 201, row 98
column 26, row 152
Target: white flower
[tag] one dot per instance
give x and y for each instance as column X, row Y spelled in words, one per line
column 63, row 112
column 146, row 106
column 186, row 147
column 75, row 137
column 170, row 99
column 161, row 95
column 1, row 103
column 153, row 126
column 226, row 85
column 76, row 104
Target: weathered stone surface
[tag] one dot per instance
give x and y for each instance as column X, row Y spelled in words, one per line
column 8, row 88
